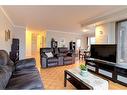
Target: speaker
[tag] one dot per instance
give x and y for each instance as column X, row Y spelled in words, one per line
column 72, row 46
column 14, row 54
column 15, row 41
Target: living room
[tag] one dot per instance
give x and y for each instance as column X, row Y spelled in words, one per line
column 50, row 45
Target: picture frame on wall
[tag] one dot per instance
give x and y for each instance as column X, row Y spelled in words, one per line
column 6, row 38
column 7, row 35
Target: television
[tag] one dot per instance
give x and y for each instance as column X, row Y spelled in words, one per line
column 106, row 52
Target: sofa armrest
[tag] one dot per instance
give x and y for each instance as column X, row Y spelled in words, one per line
column 43, row 62
column 57, row 55
column 43, row 55
column 70, row 54
column 25, row 63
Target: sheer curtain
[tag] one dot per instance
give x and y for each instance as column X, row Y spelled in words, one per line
column 122, row 42
column 91, row 40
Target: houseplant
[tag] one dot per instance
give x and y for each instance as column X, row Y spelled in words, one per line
column 83, row 69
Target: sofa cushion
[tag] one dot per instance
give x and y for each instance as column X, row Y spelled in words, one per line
column 56, row 52
column 6, row 69
column 63, row 54
column 5, row 74
column 52, row 64
column 52, row 59
column 25, row 79
column 67, row 58
column 49, row 54
column 63, row 50
column 25, row 63
column 44, row 50
column 68, row 62
column 3, row 57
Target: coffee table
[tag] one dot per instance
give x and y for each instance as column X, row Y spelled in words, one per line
column 90, row 82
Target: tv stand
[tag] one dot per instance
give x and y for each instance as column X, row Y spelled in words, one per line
column 113, row 71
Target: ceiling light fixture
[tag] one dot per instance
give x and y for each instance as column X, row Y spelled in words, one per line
column 85, row 30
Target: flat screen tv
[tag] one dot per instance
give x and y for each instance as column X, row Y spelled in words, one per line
column 106, row 52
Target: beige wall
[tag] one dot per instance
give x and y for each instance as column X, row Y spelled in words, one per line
column 20, row 33
column 28, row 43
column 5, row 25
column 41, row 41
column 25, row 37
column 105, row 33
column 111, row 33
column 35, row 39
column 58, row 36
column 16, row 32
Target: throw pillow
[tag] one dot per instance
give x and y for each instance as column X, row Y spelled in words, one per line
column 49, row 54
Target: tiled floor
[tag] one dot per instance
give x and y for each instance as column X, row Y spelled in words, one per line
column 53, row 78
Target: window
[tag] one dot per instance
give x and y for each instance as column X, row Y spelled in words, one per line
column 91, row 40
column 121, row 41
column 78, row 43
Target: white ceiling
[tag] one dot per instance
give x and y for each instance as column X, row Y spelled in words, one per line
column 60, row 18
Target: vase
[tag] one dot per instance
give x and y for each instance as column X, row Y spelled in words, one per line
column 83, row 73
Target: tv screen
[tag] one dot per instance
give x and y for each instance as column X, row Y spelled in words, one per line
column 104, row 52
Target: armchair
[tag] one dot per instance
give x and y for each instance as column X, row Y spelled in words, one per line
column 68, row 57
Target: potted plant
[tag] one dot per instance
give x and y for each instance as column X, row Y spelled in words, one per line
column 83, row 68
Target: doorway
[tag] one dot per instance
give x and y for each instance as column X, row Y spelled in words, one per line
column 38, row 41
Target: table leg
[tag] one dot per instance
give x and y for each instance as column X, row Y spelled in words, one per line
column 65, row 78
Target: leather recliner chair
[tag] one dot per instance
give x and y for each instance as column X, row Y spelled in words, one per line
column 68, row 57
column 49, row 61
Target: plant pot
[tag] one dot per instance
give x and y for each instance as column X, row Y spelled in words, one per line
column 84, row 73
